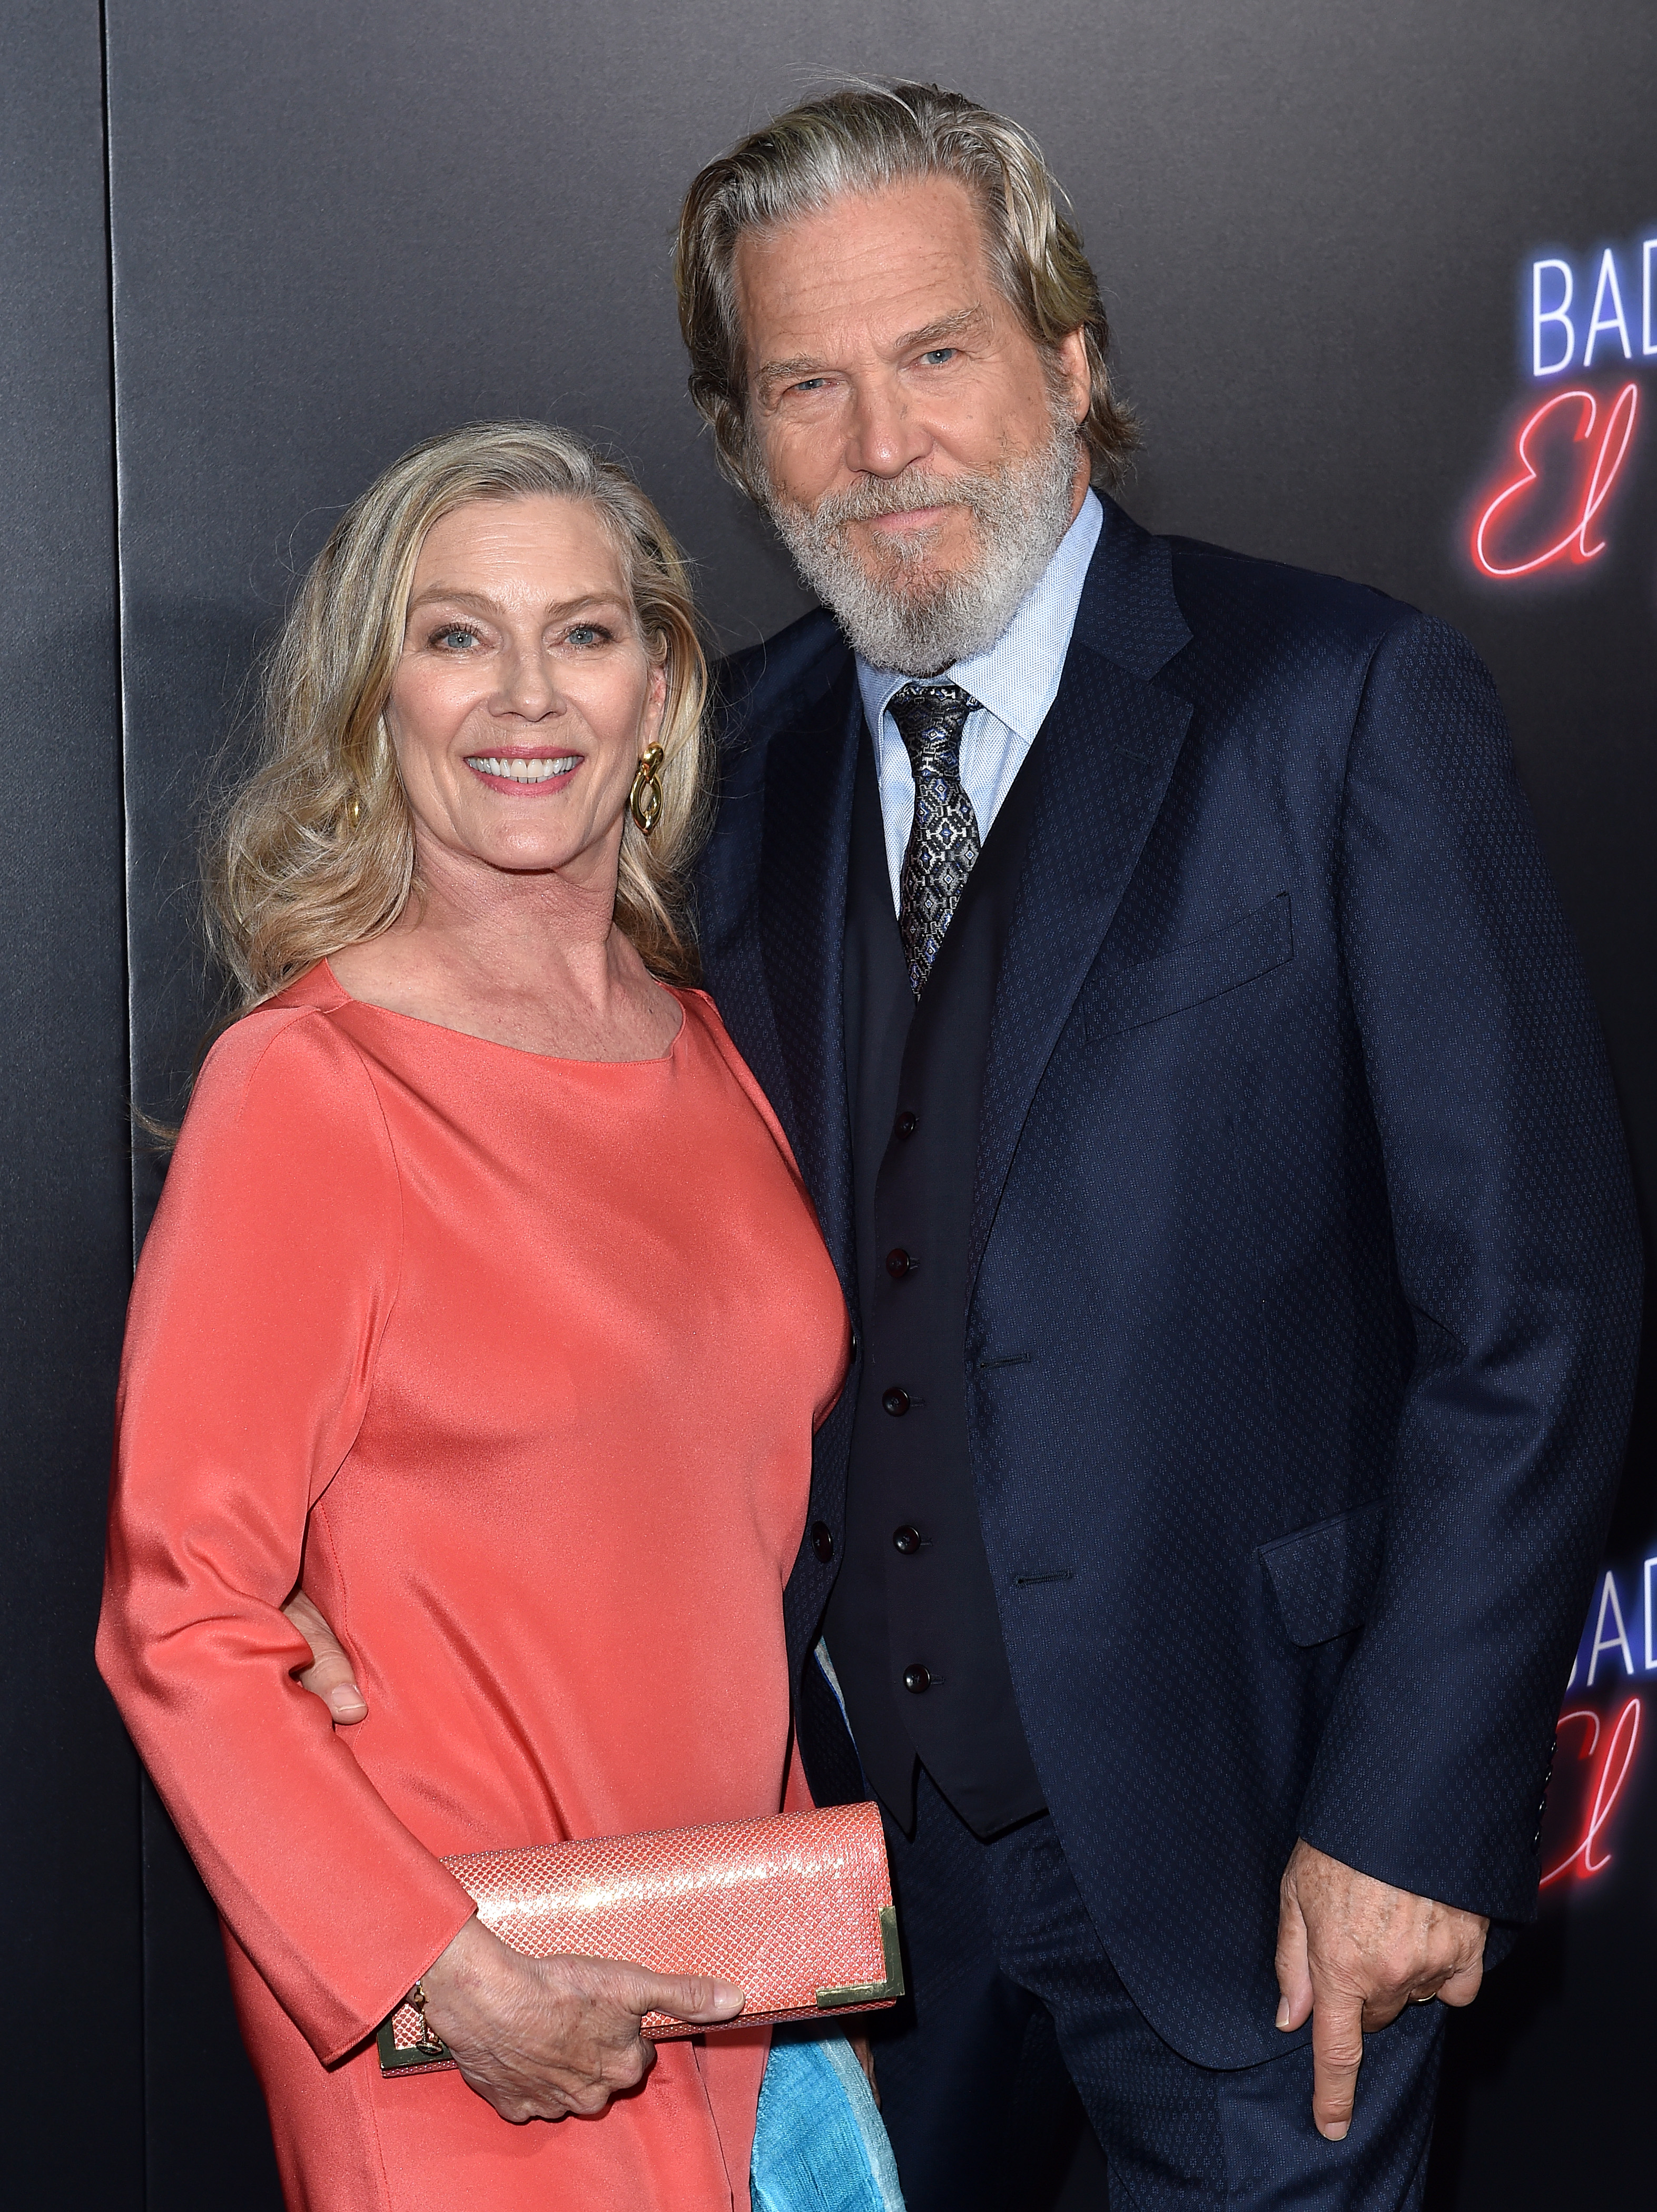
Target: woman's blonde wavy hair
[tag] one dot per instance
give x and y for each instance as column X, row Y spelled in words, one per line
column 315, row 850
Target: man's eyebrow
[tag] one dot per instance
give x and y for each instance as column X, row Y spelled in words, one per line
column 935, row 334
column 922, row 340
column 777, row 372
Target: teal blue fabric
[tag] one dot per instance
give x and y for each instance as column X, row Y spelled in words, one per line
column 819, row 2145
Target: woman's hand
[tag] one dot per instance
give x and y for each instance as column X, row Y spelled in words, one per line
column 541, row 2038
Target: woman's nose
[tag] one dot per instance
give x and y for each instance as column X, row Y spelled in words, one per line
column 529, row 685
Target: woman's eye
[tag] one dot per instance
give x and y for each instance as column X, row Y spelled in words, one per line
column 587, row 634
column 455, row 638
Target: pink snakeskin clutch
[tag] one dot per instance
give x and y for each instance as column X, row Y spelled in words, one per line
column 796, row 1910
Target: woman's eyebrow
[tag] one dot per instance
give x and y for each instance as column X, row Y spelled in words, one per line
column 447, row 595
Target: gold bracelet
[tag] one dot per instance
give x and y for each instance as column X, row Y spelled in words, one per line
column 429, row 2045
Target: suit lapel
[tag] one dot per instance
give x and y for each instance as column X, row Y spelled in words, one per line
column 1103, row 760
column 810, row 777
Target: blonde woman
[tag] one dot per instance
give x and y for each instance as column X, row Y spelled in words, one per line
column 484, row 1294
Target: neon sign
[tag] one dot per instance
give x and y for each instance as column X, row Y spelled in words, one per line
column 1619, row 1637
column 1610, row 1776
column 1556, row 485
column 1544, row 513
column 1618, row 295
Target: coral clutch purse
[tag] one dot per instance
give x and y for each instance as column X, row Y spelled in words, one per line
column 796, row 1910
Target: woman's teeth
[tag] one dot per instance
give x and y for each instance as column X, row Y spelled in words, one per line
column 524, row 771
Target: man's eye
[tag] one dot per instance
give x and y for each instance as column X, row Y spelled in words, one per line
column 810, row 384
column 938, row 354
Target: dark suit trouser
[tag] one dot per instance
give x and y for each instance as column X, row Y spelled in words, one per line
column 1010, row 1985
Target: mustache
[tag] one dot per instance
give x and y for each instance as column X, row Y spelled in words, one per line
column 879, row 495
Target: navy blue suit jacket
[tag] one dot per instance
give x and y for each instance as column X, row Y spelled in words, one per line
column 1303, row 1288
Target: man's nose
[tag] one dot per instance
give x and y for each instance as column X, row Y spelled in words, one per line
column 886, row 437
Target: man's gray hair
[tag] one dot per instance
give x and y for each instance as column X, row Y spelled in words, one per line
column 864, row 138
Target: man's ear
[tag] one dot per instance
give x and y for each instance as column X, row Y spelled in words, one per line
column 1071, row 352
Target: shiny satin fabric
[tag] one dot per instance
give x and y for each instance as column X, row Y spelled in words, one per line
column 518, row 1362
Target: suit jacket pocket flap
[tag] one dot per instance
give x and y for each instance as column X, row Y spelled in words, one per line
column 1322, row 1576
column 1190, row 973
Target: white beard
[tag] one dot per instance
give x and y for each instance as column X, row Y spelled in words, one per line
column 897, row 615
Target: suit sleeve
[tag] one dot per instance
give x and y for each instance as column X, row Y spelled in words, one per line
column 1518, row 1256
column 264, row 1289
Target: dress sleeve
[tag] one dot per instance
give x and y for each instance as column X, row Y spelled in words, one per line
column 256, row 1317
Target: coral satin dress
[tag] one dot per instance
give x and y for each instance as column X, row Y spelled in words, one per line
column 517, row 1360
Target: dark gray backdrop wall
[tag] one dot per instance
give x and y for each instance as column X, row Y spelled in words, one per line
column 68, row 1862
column 337, row 229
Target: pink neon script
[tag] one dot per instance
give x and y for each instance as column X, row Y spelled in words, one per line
column 1609, row 452
column 1610, row 1778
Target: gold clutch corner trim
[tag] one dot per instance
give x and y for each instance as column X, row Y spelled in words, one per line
column 866, row 1993
column 408, row 2057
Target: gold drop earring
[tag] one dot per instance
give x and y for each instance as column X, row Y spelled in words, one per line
column 644, row 801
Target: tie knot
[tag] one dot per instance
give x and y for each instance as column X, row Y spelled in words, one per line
column 930, row 717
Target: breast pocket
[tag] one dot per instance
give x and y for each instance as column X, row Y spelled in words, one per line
column 1194, row 973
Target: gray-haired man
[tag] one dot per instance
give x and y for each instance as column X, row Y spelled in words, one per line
column 1108, row 918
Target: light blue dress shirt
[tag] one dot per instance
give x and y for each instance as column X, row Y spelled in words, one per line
column 1016, row 681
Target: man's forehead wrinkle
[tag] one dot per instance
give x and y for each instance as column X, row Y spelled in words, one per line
column 795, row 278
column 944, row 327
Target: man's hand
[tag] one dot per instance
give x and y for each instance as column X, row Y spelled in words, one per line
column 542, row 2037
column 1353, row 1952
column 330, row 1676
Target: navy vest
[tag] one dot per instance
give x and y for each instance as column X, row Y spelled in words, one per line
column 911, row 1625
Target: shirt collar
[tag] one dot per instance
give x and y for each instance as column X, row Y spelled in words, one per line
column 1018, row 679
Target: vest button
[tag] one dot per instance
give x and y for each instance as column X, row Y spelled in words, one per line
column 907, row 1124
column 898, row 1263
column 916, row 1679
column 895, row 1401
column 906, row 1538
column 822, row 1540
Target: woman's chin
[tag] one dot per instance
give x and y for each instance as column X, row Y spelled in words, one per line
column 574, row 851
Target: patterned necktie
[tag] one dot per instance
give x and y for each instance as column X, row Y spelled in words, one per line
column 943, row 837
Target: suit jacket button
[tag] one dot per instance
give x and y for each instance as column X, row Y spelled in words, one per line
column 822, row 1540
column 916, row 1679
column 899, row 1264
column 895, row 1401
column 907, row 1124
column 906, row 1538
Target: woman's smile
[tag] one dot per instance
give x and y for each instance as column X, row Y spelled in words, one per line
column 522, row 772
